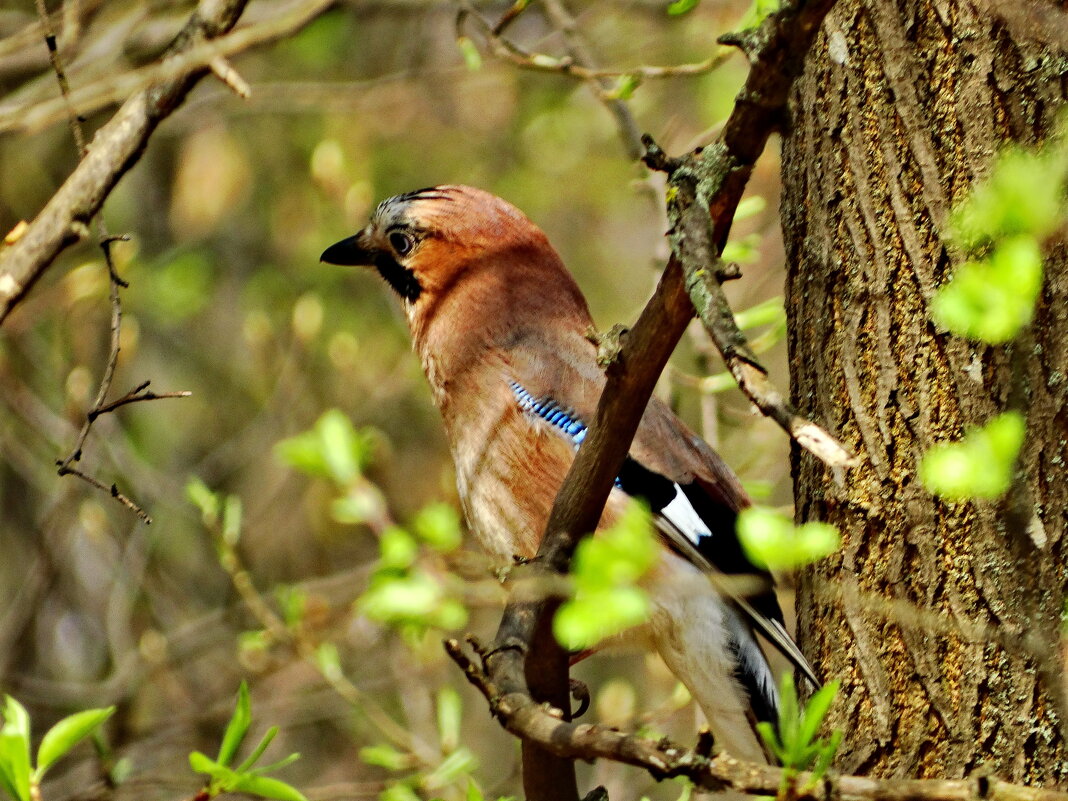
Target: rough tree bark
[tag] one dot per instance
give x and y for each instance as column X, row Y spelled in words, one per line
column 902, row 106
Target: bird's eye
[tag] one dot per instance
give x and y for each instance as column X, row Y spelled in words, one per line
column 401, row 242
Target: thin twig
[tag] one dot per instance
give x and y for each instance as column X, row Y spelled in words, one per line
column 117, row 146
column 61, row 77
column 113, row 491
column 297, row 639
column 31, row 118
column 99, row 407
column 571, row 67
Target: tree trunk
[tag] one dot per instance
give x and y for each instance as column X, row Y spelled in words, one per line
column 941, row 620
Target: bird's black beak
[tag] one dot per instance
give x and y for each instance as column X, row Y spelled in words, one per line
column 351, row 251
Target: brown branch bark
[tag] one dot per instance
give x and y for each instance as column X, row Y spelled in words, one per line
column 707, row 189
column 115, row 149
column 530, row 721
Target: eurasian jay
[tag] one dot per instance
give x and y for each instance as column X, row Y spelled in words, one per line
column 502, row 328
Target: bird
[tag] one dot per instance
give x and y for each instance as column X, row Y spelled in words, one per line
column 502, row 331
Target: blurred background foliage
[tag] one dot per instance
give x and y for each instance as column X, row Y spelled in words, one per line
column 227, row 213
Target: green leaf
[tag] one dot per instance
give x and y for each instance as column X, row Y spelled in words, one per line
column 816, row 710
column 765, row 313
column 362, row 503
column 438, row 525
column 1024, row 194
column 603, row 572
column 773, row 541
column 680, row 7
column 329, row 660
column 459, row 763
column 15, row 749
column 201, row 763
column 469, row 50
column 399, row 792
column 237, row 728
column 770, row 737
column 266, row 787
column 257, row 752
column 338, row 439
column 981, row 465
column 584, row 622
column 66, row 734
column 204, row 499
column 625, row 87
column 305, row 453
column 231, row 529
column 789, row 718
column 386, row 756
column 992, row 300
column 450, row 715
column 403, row 598
column 278, row 765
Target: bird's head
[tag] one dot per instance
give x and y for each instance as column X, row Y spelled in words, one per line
column 464, row 256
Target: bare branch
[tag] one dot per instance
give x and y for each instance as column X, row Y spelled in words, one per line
column 519, row 714
column 138, row 393
column 177, row 65
column 115, row 148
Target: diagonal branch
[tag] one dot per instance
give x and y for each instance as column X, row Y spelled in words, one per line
column 115, row 149
column 705, row 188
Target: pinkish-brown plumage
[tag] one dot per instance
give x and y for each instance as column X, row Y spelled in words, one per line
column 501, row 329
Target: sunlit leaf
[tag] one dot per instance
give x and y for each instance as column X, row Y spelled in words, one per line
column 449, row 714
column 981, row 465
column 438, row 525
column 993, row 299
column 67, row 733
column 15, row 749
column 682, row 7
column 266, row 787
column 771, row 540
column 386, row 756
column 457, row 764
column 237, row 728
column 204, row 499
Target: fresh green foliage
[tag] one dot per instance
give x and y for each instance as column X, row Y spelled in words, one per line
column 744, row 250
column 679, row 7
column 604, row 573
column 1002, row 224
column 335, row 450
column 758, row 11
column 402, row 592
column 624, row 88
column 793, row 740
column 469, row 51
column 18, row 778
column 979, row 466
column 331, row 449
column 772, row 540
column 991, row 299
column 768, row 312
column 456, row 766
column 244, row 778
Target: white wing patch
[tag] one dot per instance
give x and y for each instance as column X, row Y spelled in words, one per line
column 681, row 514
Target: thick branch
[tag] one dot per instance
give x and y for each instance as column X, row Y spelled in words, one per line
column 519, row 714
column 115, row 148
